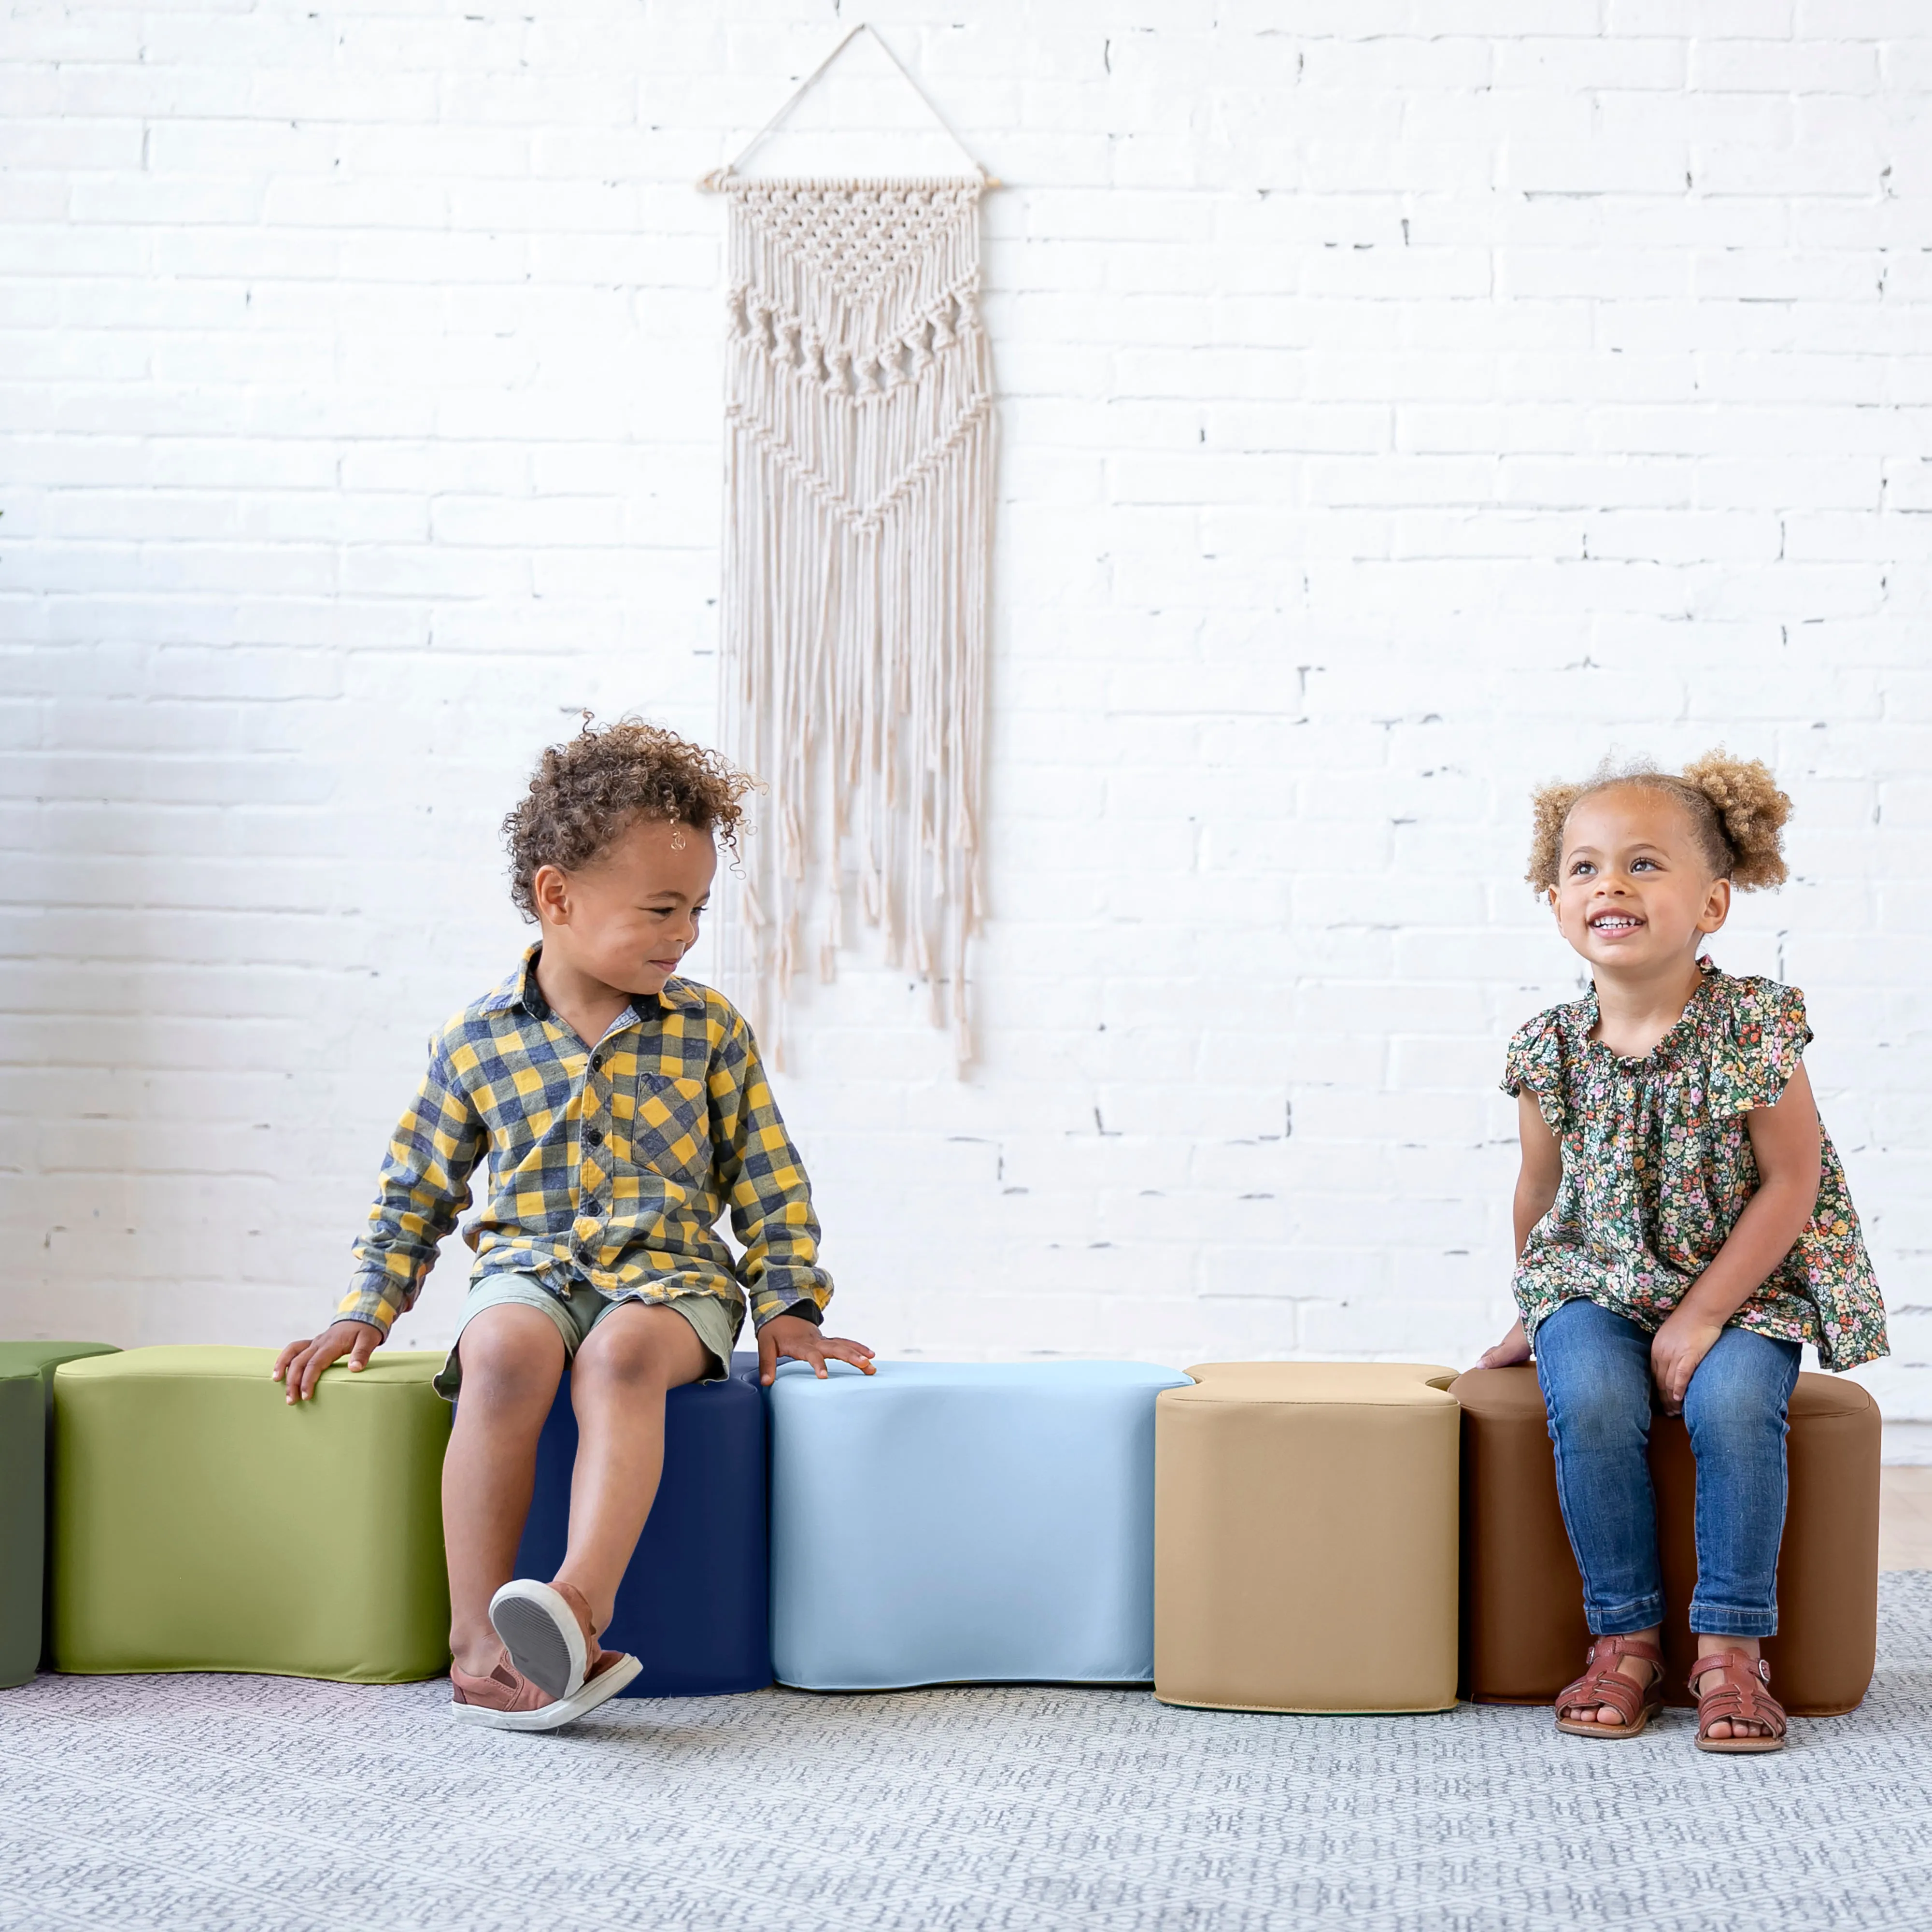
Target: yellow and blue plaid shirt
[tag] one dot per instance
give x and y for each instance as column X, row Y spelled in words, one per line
column 608, row 1165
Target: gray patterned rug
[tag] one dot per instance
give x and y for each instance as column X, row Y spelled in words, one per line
column 257, row 1803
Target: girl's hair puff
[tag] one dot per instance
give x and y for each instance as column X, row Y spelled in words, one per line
column 1734, row 804
column 587, row 792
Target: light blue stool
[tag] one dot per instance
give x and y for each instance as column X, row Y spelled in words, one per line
column 957, row 1523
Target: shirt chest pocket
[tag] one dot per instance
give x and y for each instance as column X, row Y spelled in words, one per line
column 671, row 1132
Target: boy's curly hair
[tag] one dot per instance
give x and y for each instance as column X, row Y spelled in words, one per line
column 1734, row 806
column 589, row 791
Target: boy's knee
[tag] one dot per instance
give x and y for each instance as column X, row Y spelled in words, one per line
column 638, row 1347
column 510, row 1354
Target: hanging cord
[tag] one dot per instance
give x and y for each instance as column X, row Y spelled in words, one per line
column 714, row 182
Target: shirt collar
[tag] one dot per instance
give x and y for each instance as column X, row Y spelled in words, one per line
column 520, row 989
column 1588, row 1011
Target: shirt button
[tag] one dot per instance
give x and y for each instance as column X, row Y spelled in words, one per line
column 594, row 1136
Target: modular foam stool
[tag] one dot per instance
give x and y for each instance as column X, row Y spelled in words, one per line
column 963, row 1522
column 1306, row 1538
column 26, row 1416
column 695, row 1606
column 23, row 1505
column 201, row 1523
column 1524, row 1635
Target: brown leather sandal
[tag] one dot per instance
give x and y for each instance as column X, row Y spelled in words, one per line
column 1603, row 1683
column 1740, row 1696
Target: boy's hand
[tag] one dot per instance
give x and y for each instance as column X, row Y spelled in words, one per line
column 792, row 1335
column 1675, row 1350
column 300, row 1364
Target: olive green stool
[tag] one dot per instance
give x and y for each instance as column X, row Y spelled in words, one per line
column 26, row 1415
column 200, row 1522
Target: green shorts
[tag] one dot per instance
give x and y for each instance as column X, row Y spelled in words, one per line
column 716, row 1320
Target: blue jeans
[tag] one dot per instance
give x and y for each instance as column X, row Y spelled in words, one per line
column 1594, row 1367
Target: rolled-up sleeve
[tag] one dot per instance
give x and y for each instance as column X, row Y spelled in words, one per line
column 765, row 1182
column 423, row 1187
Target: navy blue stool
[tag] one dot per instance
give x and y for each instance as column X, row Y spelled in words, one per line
column 695, row 1606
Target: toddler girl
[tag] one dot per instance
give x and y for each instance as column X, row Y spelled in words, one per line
column 1682, row 1224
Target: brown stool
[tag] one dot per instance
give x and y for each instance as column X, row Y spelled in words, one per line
column 1523, row 1632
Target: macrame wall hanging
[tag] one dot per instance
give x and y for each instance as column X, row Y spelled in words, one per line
column 857, row 547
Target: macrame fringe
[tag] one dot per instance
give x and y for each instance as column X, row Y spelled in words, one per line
column 858, row 539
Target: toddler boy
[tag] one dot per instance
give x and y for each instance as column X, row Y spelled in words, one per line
column 621, row 1109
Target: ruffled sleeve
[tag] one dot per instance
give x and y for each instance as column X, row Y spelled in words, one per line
column 1534, row 1064
column 1758, row 1037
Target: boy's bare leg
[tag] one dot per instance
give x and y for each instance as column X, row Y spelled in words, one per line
column 617, row 1385
column 511, row 1358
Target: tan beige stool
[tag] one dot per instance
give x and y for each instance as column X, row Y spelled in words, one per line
column 1305, row 1537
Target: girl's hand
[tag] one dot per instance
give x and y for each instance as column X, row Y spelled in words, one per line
column 1678, row 1346
column 300, row 1364
column 1512, row 1349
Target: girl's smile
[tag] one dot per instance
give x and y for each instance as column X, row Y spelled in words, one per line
column 1613, row 922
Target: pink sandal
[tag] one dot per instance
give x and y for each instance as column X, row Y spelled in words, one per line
column 557, row 1671
column 1603, row 1683
column 505, row 1693
column 506, row 1700
column 547, row 1628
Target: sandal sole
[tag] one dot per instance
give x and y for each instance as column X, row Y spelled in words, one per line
column 1576, row 1728
column 540, row 1631
column 598, row 1690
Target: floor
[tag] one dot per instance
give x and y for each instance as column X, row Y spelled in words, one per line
column 260, row 1804
column 1905, row 1519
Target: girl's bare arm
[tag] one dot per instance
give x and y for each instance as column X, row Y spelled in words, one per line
column 1788, row 1144
column 1542, row 1171
column 1536, row 1182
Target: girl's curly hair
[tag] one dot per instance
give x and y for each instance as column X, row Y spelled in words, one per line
column 589, row 791
column 1734, row 804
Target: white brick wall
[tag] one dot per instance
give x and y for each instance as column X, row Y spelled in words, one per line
column 1404, row 401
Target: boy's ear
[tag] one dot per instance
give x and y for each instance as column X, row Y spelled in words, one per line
column 550, row 889
column 1555, row 900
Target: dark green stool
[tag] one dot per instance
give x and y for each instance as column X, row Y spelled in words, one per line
column 26, row 1424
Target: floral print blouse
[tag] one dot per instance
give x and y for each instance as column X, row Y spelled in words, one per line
column 1657, row 1166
